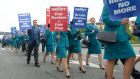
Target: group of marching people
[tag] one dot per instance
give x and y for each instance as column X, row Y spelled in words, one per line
column 69, row 41
column 120, row 50
column 65, row 44
column 16, row 41
column 60, row 43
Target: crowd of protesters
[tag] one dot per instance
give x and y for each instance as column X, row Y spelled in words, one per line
column 65, row 44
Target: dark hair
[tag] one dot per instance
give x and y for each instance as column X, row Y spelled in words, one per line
column 49, row 25
column 71, row 22
column 34, row 20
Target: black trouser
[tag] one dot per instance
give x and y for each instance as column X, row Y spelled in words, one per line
column 23, row 47
column 3, row 45
column 32, row 46
column 43, row 46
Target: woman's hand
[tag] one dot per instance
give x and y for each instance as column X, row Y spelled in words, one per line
column 125, row 21
column 134, row 26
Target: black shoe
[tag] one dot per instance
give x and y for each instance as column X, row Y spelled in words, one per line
column 134, row 70
column 68, row 67
column 60, row 70
column 116, row 63
column 52, row 62
column 87, row 64
column 82, row 70
column 101, row 67
column 37, row 65
column 68, row 76
column 28, row 62
column 135, row 74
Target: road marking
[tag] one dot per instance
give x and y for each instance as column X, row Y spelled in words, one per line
column 11, row 51
column 90, row 64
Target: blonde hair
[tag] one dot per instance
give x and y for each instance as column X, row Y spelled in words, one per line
column 92, row 18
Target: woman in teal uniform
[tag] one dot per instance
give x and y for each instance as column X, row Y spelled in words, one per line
column 4, row 41
column 94, row 45
column 25, row 38
column 12, row 42
column 121, row 49
column 49, row 44
column 61, row 51
column 18, row 41
column 75, row 46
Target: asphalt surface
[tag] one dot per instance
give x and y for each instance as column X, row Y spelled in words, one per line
column 13, row 66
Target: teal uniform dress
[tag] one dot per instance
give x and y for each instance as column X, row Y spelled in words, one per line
column 50, row 41
column 94, row 45
column 14, row 40
column 74, row 41
column 122, row 48
column 18, row 41
column 62, row 45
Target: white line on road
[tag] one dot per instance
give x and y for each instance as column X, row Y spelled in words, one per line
column 90, row 64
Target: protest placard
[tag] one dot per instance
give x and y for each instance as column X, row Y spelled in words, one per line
column 58, row 18
column 24, row 21
column 119, row 9
column 80, row 17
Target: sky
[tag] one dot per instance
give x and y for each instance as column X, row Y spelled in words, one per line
column 9, row 10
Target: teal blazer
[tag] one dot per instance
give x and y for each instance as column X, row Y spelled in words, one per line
column 74, row 40
column 50, row 37
column 92, row 36
column 63, row 41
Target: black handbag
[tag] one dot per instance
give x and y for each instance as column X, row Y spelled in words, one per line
column 86, row 42
column 136, row 32
column 109, row 37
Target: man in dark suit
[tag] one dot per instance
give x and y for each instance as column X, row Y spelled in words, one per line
column 34, row 40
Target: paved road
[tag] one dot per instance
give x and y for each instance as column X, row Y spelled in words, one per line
column 13, row 66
